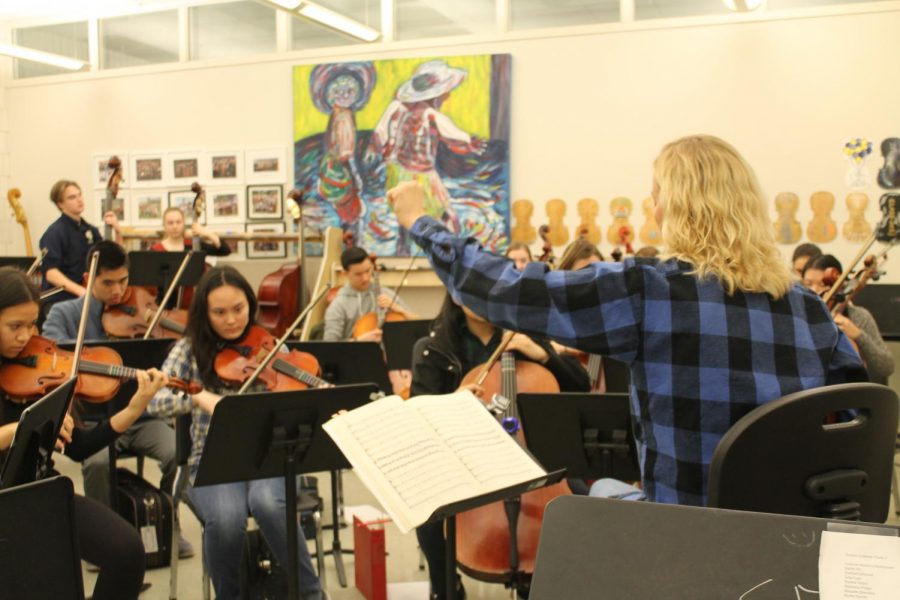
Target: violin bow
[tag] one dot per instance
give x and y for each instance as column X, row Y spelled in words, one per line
column 493, row 359
column 165, row 300
column 409, row 267
column 82, row 325
column 837, row 284
column 37, row 263
column 287, row 332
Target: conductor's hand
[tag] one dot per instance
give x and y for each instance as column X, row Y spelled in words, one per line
column 370, row 336
column 408, row 202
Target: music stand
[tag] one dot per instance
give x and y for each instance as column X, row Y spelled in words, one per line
column 345, row 363
column 602, row 548
column 38, row 541
column 587, row 434
column 138, row 354
column 448, row 512
column 23, row 263
column 883, row 301
column 158, row 268
column 617, row 376
column 399, row 337
column 257, row 436
column 35, row 439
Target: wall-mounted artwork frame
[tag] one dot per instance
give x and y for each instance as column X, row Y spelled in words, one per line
column 183, row 167
column 225, row 205
column 266, row 249
column 264, row 165
column 265, row 202
column 147, row 207
column 223, row 167
column 148, row 169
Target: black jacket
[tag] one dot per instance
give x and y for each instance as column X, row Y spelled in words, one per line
column 436, row 370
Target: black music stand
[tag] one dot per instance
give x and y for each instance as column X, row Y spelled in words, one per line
column 883, row 301
column 345, row 363
column 448, row 512
column 38, row 541
column 601, row 548
column 587, row 434
column 399, row 337
column 23, row 263
column 147, row 267
column 257, row 436
column 32, row 448
column 138, row 354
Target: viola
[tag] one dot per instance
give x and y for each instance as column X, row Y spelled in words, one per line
column 484, row 537
column 42, row 366
column 293, row 370
column 131, row 317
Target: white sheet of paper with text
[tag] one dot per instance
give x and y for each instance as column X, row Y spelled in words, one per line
column 855, row 566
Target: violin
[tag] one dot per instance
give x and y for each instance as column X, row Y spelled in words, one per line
column 132, row 316
column 42, row 366
column 293, row 370
column 484, row 535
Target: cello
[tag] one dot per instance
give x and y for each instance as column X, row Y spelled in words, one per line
column 279, row 292
column 498, row 542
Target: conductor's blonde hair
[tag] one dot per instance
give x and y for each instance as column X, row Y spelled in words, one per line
column 715, row 216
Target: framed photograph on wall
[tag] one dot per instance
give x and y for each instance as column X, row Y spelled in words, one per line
column 119, row 206
column 225, row 205
column 264, row 165
column 223, row 167
column 238, row 248
column 100, row 170
column 183, row 168
column 183, row 199
column 147, row 207
column 147, row 169
column 265, row 202
column 262, row 249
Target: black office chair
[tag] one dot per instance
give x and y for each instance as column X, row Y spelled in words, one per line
column 789, row 457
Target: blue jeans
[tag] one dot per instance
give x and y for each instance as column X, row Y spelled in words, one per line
column 224, row 509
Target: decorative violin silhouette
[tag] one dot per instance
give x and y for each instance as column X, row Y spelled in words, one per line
column 13, row 196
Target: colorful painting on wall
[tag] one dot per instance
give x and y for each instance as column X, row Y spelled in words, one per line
column 362, row 127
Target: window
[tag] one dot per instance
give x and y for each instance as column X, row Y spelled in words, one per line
column 143, row 39
column 309, row 34
column 66, row 39
column 664, row 9
column 418, row 19
column 533, row 14
column 232, row 29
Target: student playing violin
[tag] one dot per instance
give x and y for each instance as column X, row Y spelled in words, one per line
column 459, row 341
column 104, row 538
column 221, row 313
column 148, row 436
column 519, row 253
column 357, row 298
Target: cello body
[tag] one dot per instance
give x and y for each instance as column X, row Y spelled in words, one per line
column 279, row 299
column 483, row 540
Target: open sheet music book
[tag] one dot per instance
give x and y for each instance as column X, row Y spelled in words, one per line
column 418, row 455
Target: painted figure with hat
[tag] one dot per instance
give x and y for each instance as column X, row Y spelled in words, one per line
column 410, row 131
column 339, row 90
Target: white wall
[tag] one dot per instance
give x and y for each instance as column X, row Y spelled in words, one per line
column 589, row 112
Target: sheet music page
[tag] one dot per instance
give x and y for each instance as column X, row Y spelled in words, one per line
column 492, row 456
column 401, row 460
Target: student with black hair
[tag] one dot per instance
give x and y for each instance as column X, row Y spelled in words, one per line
column 358, row 297
column 802, row 255
column 148, row 436
column 104, row 538
column 857, row 323
column 222, row 311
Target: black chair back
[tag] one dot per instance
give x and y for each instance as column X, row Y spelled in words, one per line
column 789, row 457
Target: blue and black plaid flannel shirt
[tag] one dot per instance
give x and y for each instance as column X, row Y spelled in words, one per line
column 699, row 359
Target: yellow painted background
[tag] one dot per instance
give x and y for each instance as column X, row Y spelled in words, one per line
column 468, row 105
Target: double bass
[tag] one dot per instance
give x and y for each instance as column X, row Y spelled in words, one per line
column 279, row 293
column 485, row 535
